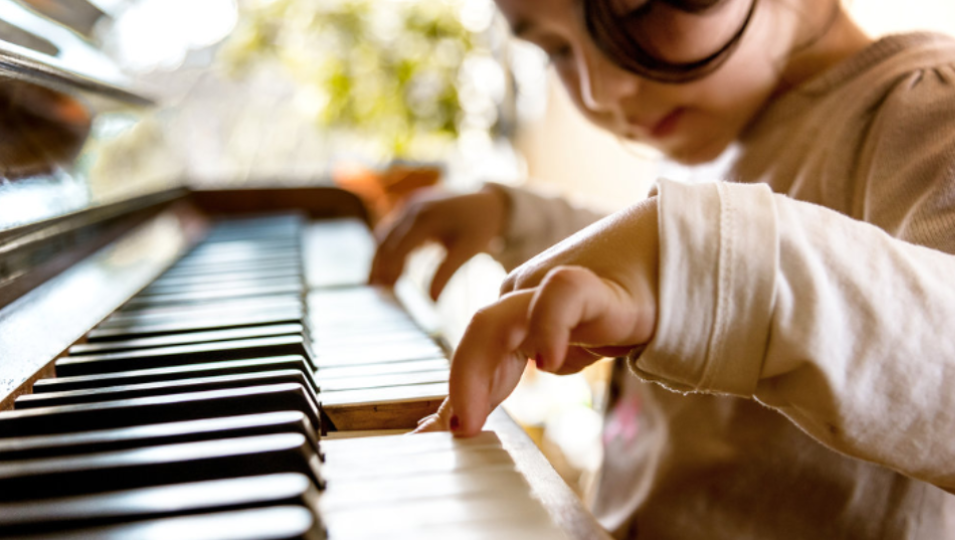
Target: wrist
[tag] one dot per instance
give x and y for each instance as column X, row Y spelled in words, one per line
column 498, row 207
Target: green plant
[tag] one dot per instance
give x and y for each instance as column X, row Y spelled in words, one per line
column 388, row 70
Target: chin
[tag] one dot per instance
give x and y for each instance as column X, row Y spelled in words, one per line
column 695, row 152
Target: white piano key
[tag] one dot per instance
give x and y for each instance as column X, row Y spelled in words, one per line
column 396, row 394
column 384, row 381
column 412, row 366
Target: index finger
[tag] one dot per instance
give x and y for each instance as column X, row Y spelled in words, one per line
column 487, row 363
column 403, row 236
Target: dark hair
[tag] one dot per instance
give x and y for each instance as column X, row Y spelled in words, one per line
column 614, row 40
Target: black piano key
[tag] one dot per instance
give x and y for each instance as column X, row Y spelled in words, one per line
column 165, row 388
column 252, row 266
column 244, row 244
column 229, row 239
column 250, row 236
column 231, row 230
column 207, row 336
column 219, row 321
column 219, row 284
column 197, row 281
column 160, row 409
column 208, row 265
column 224, row 260
column 216, row 294
column 184, row 316
column 158, row 465
column 218, row 307
column 65, row 513
column 183, row 354
column 107, row 440
column 224, row 257
column 274, row 523
column 211, row 369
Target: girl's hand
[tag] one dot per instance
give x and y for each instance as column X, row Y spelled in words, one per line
column 590, row 296
column 464, row 224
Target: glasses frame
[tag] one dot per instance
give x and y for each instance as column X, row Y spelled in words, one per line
column 620, row 47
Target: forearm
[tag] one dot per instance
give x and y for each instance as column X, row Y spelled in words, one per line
column 536, row 222
column 831, row 321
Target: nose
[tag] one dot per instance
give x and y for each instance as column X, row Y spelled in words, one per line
column 603, row 84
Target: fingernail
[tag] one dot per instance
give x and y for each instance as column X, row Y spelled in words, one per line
column 455, row 423
column 539, row 361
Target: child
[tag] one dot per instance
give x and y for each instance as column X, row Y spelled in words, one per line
column 805, row 308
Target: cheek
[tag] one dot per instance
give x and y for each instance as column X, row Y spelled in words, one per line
column 753, row 73
column 735, row 94
column 741, row 87
column 570, row 81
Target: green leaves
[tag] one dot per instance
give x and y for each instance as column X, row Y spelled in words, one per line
column 387, row 70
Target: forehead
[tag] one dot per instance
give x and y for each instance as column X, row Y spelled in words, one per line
column 524, row 15
column 531, row 15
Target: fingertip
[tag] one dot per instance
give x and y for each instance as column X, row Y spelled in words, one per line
column 385, row 274
column 466, row 426
column 547, row 360
column 469, row 414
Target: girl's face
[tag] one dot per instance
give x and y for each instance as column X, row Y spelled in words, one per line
column 691, row 122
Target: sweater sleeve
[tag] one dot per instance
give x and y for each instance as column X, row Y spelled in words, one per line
column 906, row 177
column 536, row 222
column 843, row 328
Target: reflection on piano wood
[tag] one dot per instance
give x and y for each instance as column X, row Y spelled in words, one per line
column 185, row 364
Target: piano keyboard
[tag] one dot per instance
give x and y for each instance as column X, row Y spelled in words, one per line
column 198, row 409
column 236, row 312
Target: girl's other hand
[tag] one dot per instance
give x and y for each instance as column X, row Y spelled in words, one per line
column 593, row 295
column 464, row 224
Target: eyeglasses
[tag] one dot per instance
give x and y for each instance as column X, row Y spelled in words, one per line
column 638, row 38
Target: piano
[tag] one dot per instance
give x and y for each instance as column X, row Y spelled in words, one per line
column 210, row 364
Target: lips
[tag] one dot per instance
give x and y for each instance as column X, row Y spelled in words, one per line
column 661, row 128
column 667, row 125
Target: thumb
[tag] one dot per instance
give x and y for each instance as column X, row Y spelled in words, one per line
column 439, row 421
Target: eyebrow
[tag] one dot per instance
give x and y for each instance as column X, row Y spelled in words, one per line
column 522, row 27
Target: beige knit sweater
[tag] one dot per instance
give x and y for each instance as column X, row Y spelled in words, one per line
column 834, row 322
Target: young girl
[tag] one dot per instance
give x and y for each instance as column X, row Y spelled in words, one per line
column 804, row 309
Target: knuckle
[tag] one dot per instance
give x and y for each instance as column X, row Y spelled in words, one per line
column 508, row 285
column 564, row 277
column 425, row 211
column 522, row 277
column 416, row 206
column 482, row 318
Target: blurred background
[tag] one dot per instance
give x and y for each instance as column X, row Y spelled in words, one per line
column 382, row 96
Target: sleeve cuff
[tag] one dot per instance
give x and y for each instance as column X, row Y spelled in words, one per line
column 718, row 262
